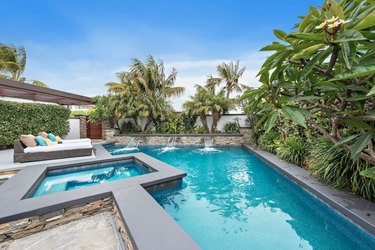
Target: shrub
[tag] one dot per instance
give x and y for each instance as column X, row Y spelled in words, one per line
column 188, row 122
column 269, row 141
column 173, row 125
column 74, row 113
column 293, row 149
column 232, row 127
column 31, row 118
column 200, row 130
column 335, row 166
column 128, row 127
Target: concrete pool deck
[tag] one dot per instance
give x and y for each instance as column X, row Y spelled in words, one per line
column 352, row 206
column 148, row 225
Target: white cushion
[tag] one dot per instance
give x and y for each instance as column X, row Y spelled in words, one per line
column 76, row 140
column 58, row 147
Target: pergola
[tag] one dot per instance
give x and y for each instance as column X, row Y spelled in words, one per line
column 15, row 89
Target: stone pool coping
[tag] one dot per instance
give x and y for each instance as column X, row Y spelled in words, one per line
column 149, row 226
column 353, row 207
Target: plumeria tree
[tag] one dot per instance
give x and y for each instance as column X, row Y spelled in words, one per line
column 324, row 71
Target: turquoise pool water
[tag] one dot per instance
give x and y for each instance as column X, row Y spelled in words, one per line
column 233, row 200
column 85, row 176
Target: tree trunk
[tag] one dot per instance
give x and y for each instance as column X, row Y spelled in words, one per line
column 203, row 118
column 215, row 119
column 148, row 122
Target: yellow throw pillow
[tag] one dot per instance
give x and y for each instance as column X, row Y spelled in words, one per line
column 49, row 142
column 58, row 139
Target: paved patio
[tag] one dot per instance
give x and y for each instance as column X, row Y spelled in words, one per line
column 96, row 232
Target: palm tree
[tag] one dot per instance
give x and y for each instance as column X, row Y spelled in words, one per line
column 231, row 73
column 12, row 61
column 206, row 101
column 143, row 91
column 199, row 105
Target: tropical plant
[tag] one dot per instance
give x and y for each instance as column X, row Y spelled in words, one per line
column 143, row 91
column 188, row 121
column 104, row 111
column 336, row 166
column 200, row 130
column 231, row 73
column 232, row 127
column 12, row 62
column 39, row 83
column 199, row 105
column 128, row 127
column 325, row 68
column 293, row 149
column 269, row 141
column 208, row 100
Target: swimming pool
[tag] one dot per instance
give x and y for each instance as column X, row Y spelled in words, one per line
column 85, row 176
column 230, row 199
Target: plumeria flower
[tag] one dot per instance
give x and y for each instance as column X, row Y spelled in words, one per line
column 321, row 26
column 338, row 23
column 333, row 19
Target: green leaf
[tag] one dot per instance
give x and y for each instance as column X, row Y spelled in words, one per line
column 337, row 10
column 346, row 140
column 355, row 123
column 307, row 36
column 348, row 51
column 307, row 52
column 280, row 34
column 360, row 144
column 356, row 72
column 357, row 98
column 271, row 121
column 368, row 21
column 372, row 91
column 274, row 46
column 310, row 65
column 295, row 114
column 349, row 35
column 369, row 173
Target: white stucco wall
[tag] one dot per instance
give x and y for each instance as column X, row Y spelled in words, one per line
column 74, row 129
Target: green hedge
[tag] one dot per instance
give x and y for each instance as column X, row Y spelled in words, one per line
column 31, row 118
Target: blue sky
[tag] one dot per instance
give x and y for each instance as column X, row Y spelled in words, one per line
column 78, row 46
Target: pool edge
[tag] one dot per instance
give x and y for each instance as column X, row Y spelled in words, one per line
column 351, row 206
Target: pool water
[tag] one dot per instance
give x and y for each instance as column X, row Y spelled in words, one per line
column 74, row 178
column 230, row 199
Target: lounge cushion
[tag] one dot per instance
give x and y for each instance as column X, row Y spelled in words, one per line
column 58, row 147
column 52, row 137
column 40, row 140
column 43, row 134
column 28, row 140
column 77, row 140
column 58, row 139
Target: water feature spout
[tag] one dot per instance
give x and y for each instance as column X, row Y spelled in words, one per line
column 171, row 142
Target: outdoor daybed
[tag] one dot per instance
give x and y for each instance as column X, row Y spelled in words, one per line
column 69, row 148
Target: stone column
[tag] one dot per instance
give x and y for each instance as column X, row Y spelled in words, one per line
column 83, row 126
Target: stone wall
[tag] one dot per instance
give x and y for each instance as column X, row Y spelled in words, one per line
column 27, row 226
column 180, row 139
column 83, row 126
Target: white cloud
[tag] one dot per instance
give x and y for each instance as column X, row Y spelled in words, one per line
column 84, row 68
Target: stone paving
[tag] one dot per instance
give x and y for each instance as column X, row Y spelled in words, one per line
column 95, row 232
